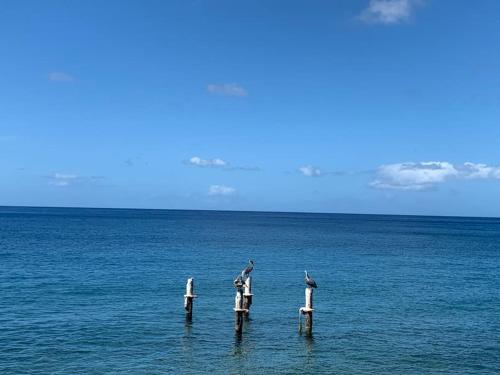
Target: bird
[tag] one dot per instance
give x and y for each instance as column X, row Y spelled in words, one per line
column 238, row 282
column 246, row 272
column 310, row 281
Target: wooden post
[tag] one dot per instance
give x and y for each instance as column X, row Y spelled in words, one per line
column 307, row 311
column 238, row 309
column 188, row 299
column 247, row 295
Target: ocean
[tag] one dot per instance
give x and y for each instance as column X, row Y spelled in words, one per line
column 100, row 291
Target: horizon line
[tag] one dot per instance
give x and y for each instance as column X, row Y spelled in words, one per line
column 249, row 211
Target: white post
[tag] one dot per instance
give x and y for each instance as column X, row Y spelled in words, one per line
column 309, row 298
column 189, row 292
column 247, row 295
column 307, row 311
column 238, row 310
column 189, row 287
column 248, row 286
column 188, row 298
column 238, row 301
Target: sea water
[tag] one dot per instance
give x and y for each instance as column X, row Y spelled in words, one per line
column 100, row 291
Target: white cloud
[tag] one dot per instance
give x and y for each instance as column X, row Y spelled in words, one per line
column 425, row 175
column 219, row 163
column 227, row 89
column 67, row 179
column 472, row 170
column 60, row 77
column 221, row 190
column 310, row 171
column 388, row 11
column 199, row 162
column 62, row 179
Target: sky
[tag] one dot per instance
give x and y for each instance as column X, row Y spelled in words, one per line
column 349, row 106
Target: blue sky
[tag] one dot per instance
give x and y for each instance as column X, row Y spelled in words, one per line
column 381, row 106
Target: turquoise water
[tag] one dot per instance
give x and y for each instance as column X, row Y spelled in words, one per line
column 96, row 291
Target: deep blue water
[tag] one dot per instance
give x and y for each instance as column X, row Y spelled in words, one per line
column 98, row 291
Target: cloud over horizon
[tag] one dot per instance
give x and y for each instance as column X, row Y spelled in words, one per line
column 388, row 12
column 68, row 179
column 311, row 171
column 199, row 162
column 425, row 175
column 215, row 190
column 62, row 179
column 218, row 163
column 227, row 89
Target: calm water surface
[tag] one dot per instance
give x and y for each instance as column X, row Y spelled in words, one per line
column 96, row 291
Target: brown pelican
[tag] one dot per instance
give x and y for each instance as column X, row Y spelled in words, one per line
column 238, row 282
column 310, row 281
column 246, row 272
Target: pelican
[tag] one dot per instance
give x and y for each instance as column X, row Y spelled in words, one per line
column 246, row 272
column 238, row 282
column 310, row 281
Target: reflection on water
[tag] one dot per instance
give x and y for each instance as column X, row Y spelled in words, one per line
column 247, row 326
column 239, row 353
column 188, row 326
column 187, row 341
column 309, row 343
column 244, row 348
column 238, row 341
column 241, row 345
column 309, row 355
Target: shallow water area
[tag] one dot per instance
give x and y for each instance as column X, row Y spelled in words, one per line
column 101, row 291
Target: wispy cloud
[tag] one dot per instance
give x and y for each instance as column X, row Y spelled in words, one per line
column 221, row 190
column 314, row 171
column 60, row 77
column 218, row 163
column 199, row 162
column 389, row 12
column 472, row 170
column 62, row 179
column 425, row 175
column 227, row 89
column 311, row 171
column 67, row 179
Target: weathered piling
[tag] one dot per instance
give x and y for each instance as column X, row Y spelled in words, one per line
column 239, row 310
column 247, row 295
column 188, row 299
column 307, row 311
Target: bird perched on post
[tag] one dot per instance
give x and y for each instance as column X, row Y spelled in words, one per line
column 310, row 281
column 246, row 272
column 238, row 282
